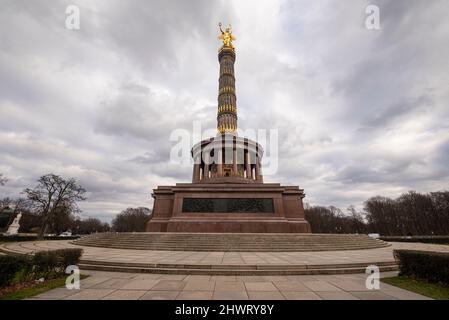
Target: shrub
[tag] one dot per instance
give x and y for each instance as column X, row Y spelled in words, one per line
column 68, row 257
column 422, row 239
column 17, row 238
column 51, row 263
column 13, row 269
column 426, row 265
column 47, row 264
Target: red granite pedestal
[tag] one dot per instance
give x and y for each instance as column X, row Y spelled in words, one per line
column 279, row 208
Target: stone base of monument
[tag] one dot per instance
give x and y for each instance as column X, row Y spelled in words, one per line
column 231, row 242
column 228, row 207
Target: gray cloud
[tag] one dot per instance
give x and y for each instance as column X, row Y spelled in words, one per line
column 359, row 112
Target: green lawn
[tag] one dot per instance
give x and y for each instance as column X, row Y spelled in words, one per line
column 37, row 289
column 431, row 290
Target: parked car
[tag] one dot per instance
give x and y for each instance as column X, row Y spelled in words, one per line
column 66, row 234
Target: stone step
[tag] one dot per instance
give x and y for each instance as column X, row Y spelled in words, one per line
column 231, row 245
column 240, row 247
column 230, row 242
column 124, row 237
column 238, row 238
column 246, row 249
column 229, row 266
column 235, row 270
column 221, row 236
column 224, row 241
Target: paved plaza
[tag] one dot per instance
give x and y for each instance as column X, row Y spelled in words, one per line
column 132, row 286
column 224, row 258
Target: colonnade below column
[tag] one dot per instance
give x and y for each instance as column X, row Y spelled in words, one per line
column 227, row 162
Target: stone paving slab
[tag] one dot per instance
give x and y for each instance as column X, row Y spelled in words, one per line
column 160, row 295
column 125, row 295
column 260, row 286
column 111, row 284
column 336, row 295
column 290, row 286
column 228, row 286
column 90, row 294
column 320, row 285
column 265, row 295
column 169, row 285
column 139, row 284
column 199, row 285
column 373, row 295
column 230, row 295
column 297, row 295
column 195, row 295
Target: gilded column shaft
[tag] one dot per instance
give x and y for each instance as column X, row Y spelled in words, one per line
column 227, row 101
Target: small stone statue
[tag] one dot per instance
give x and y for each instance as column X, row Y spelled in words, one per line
column 226, row 36
column 14, row 226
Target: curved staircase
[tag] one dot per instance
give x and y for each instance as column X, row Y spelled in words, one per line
column 236, row 269
column 231, row 242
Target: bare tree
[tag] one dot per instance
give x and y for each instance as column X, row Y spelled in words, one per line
column 53, row 195
column 131, row 220
column 90, row 225
column 332, row 220
column 412, row 213
column 17, row 204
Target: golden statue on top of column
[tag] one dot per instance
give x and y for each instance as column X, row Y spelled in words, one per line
column 226, row 36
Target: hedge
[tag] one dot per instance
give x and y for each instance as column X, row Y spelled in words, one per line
column 17, row 238
column 48, row 263
column 44, row 264
column 10, row 266
column 421, row 239
column 426, row 265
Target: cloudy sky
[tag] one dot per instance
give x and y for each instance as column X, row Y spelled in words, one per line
column 359, row 112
